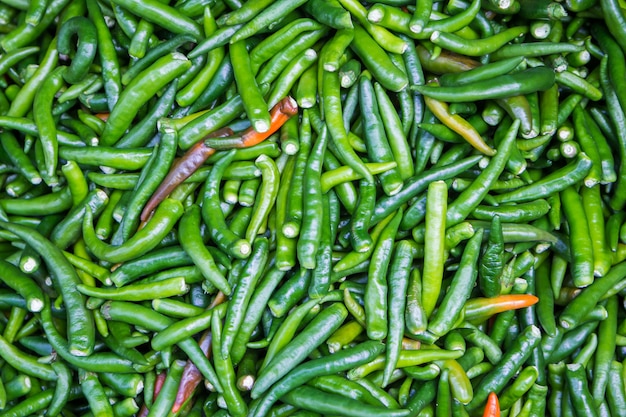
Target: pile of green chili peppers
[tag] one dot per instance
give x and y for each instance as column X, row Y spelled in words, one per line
column 312, row 208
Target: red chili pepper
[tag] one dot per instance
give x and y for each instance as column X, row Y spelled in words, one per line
column 279, row 114
column 158, row 384
column 492, row 408
column 191, row 375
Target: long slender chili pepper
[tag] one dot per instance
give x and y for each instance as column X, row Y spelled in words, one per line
column 200, row 152
column 181, row 170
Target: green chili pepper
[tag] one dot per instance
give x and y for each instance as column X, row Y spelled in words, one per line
column 512, row 359
column 346, row 359
column 503, row 86
column 312, row 335
column 141, row 242
column 244, row 288
column 469, row 199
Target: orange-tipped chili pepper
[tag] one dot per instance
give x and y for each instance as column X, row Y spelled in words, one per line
column 279, row 114
column 492, row 408
column 198, row 154
column 478, row 309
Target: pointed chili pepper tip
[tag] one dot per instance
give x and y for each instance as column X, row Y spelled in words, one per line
column 492, row 408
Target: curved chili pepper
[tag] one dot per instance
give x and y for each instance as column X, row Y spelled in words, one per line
column 458, row 124
column 182, row 168
column 198, row 154
column 279, row 114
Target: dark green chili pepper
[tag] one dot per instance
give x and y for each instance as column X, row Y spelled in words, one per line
column 326, row 322
column 310, row 234
column 578, row 389
column 460, row 208
column 244, row 287
column 147, row 238
column 344, row 360
column 376, row 287
column 512, row 359
column 81, row 332
column 85, row 50
column 316, row 400
column 378, row 145
column 417, row 184
column 491, row 264
column 503, row 86
column 138, row 92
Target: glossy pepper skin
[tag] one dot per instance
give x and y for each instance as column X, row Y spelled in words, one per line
column 260, row 263
column 201, row 151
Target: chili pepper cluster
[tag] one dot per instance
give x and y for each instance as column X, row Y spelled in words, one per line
column 312, row 208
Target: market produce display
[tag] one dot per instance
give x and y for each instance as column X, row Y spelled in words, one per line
column 312, row 208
